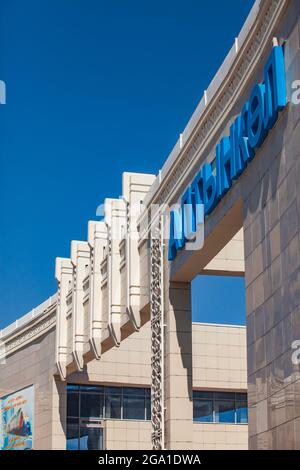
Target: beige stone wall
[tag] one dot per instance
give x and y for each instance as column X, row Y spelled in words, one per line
column 34, row 365
column 219, row 357
column 216, row 436
column 127, row 435
column 211, row 436
column 230, row 259
column 218, row 363
column 128, row 364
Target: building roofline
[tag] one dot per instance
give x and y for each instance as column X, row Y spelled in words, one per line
column 226, row 325
column 33, row 314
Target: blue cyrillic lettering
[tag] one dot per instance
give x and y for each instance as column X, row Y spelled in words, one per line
column 275, row 91
column 256, row 113
column 209, row 189
column 225, row 164
column 187, row 215
column 197, row 199
column 243, row 153
column 175, row 239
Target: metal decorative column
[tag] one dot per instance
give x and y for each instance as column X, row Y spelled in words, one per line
column 157, row 336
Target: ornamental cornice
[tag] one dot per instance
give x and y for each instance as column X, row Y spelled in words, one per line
column 30, row 333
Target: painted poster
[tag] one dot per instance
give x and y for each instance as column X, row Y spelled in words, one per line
column 16, row 420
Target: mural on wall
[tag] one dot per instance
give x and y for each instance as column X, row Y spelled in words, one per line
column 16, row 420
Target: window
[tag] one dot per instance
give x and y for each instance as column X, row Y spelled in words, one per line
column 134, row 403
column 97, row 402
column 224, row 411
column 220, row 407
column 113, row 402
column 91, row 438
column 91, row 405
column 203, row 411
column 148, row 404
column 88, row 404
column 241, row 408
column 84, row 436
column 72, row 403
column 72, row 436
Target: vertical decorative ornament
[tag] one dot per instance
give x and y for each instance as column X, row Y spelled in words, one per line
column 157, row 336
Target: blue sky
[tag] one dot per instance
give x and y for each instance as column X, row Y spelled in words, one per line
column 219, row 299
column 94, row 88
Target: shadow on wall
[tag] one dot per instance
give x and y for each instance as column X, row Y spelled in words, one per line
column 180, row 302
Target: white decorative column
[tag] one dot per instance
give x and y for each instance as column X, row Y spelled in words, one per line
column 97, row 239
column 115, row 217
column 80, row 256
column 135, row 187
column 63, row 275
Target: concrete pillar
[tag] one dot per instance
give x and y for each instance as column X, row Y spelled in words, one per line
column 178, row 367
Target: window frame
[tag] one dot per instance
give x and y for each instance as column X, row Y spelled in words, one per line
column 103, row 391
column 220, row 396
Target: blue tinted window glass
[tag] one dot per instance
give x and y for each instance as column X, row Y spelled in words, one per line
column 133, row 407
column 203, row 411
column 93, row 401
column 72, row 387
column 224, row 396
column 113, row 405
column 241, row 412
column 148, row 408
column 224, row 411
column 113, row 390
column 241, row 397
column 203, row 394
column 134, row 391
column 73, row 404
column 91, row 388
column 72, row 437
column 91, row 405
column 91, row 438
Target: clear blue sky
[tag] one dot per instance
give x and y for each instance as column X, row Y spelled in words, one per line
column 94, row 88
column 218, row 299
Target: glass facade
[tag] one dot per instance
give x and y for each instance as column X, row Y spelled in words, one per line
column 220, row 407
column 87, row 405
column 84, row 436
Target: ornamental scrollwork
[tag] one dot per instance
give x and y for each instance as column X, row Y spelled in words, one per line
column 156, row 306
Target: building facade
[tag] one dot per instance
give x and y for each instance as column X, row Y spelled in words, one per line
column 236, row 167
column 108, row 404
